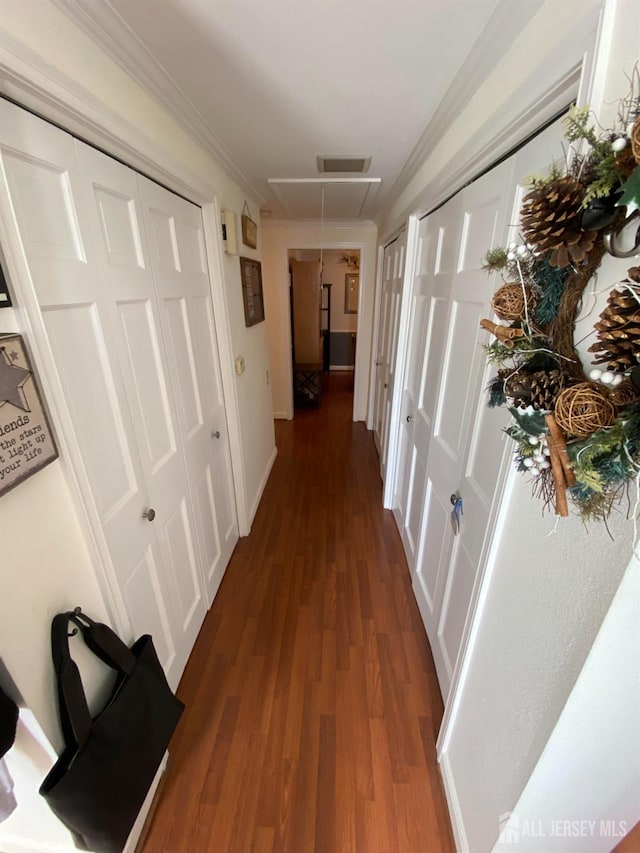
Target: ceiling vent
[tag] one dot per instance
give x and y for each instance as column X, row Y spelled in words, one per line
column 334, row 163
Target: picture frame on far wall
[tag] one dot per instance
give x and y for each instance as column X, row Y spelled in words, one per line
column 251, row 274
column 351, row 292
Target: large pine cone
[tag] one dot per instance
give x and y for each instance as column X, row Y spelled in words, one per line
column 618, row 330
column 550, row 221
column 538, row 390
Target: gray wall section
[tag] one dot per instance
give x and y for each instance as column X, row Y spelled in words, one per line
column 342, row 349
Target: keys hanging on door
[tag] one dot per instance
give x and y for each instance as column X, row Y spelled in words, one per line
column 456, row 512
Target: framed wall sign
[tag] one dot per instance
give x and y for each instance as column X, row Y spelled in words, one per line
column 249, row 229
column 351, row 292
column 251, row 274
column 26, row 440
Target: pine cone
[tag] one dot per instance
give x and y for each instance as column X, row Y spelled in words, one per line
column 538, row 390
column 619, row 330
column 550, row 221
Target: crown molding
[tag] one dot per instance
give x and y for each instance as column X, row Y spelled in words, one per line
column 35, row 84
column 506, row 22
column 108, row 30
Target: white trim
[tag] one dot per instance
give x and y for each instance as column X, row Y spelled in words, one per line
column 263, row 483
column 106, row 28
column 453, row 802
column 359, row 356
column 506, row 22
column 213, row 245
column 139, row 825
column 375, row 334
column 343, row 367
column 26, row 78
column 402, row 349
column 496, row 143
column 281, row 416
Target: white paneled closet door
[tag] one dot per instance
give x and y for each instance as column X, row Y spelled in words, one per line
column 450, row 441
column 123, row 263
column 441, row 396
column 79, row 217
column 393, row 274
column 179, row 264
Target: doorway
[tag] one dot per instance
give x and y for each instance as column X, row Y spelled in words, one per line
column 324, row 296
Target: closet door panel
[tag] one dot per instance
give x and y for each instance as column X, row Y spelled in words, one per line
column 51, row 216
column 148, row 381
column 178, row 262
column 75, row 334
column 123, row 261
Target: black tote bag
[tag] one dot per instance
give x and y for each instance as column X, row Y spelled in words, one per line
column 98, row 784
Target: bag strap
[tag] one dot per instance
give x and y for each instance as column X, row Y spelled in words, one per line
column 75, row 717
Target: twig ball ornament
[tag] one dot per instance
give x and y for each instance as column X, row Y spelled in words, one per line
column 583, row 409
column 512, row 301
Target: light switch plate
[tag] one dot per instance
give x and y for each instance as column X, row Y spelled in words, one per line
column 239, row 365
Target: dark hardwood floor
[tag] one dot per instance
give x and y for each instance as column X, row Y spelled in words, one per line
column 312, row 701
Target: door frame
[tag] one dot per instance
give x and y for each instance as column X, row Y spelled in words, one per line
column 36, row 87
column 574, row 84
column 306, row 245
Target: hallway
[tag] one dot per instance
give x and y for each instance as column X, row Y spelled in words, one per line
column 312, row 701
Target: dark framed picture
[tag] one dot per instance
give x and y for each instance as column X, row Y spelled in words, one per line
column 251, row 274
column 26, row 440
column 351, row 292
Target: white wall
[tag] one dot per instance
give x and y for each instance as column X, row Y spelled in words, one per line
column 581, row 799
column 335, row 272
column 45, row 565
column 277, row 238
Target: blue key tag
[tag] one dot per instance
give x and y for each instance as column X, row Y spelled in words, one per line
column 456, row 512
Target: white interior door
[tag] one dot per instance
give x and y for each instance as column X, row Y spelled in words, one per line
column 123, row 263
column 430, row 299
column 179, row 266
column 450, row 442
column 79, row 217
column 391, row 296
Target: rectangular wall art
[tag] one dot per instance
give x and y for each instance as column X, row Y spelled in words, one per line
column 26, row 440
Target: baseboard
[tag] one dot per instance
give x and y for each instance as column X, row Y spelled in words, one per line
column 262, row 486
column 349, row 367
column 146, row 813
column 455, row 812
column 281, row 416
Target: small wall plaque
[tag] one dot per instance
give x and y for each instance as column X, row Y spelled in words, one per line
column 249, row 229
column 251, row 273
column 26, row 440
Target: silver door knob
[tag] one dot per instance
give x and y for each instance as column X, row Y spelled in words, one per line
column 215, row 434
column 409, row 419
column 149, row 514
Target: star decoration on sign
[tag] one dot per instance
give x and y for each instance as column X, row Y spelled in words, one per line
column 12, row 380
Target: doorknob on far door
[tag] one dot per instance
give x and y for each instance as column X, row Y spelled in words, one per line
column 409, row 419
column 386, row 384
column 149, row 514
column 215, row 434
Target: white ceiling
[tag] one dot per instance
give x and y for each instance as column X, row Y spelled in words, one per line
column 274, row 83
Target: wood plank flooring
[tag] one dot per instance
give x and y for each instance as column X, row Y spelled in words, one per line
column 312, row 701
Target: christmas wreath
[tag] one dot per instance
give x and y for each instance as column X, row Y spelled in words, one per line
column 577, row 435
